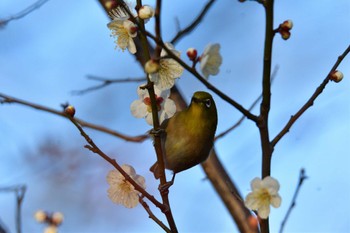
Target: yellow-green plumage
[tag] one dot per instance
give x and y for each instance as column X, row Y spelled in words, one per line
column 189, row 134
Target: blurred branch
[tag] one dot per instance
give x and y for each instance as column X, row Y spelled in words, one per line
column 21, row 14
column 152, row 216
column 95, row 149
column 19, row 191
column 194, row 24
column 220, row 180
column 9, row 99
column 105, row 82
column 310, row 102
column 249, row 109
column 302, row 177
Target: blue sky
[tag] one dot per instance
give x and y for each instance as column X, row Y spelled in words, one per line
column 47, row 55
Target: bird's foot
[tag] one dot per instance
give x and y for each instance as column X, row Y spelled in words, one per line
column 164, row 188
column 156, row 132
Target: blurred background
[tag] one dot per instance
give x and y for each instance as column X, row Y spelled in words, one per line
column 48, row 54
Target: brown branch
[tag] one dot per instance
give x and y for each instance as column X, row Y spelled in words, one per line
column 105, row 82
column 9, row 99
column 262, row 123
column 194, row 24
column 302, row 177
column 310, row 102
column 194, row 72
column 95, row 149
column 23, row 13
column 152, row 216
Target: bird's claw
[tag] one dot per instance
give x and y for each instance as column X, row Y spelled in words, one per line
column 156, row 132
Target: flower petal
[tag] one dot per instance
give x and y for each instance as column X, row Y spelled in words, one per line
column 271, row 184
column 264, row 211
column 256, row 184
column 276, row 201
column 138, row 109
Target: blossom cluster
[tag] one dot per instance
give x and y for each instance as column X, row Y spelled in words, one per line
column 52, row 220
column 162, row 72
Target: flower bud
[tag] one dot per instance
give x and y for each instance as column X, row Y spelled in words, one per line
column 336, row 76
column 285, row 34
column 110, row 4
column 192, row 54
column 151, row 66
column 69, row 110
column 146, row 12
column 57, row 218
column 287, row 25
column 40, row 216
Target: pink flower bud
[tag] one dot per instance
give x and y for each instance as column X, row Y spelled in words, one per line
column 192, row 54
column 287, row 25
column 110, row 4
column 69, row 110
column 336, row 76
column 285, row 34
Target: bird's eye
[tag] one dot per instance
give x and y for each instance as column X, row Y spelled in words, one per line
column 207, row 103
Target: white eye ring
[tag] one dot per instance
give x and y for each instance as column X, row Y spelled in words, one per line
column 207, row 103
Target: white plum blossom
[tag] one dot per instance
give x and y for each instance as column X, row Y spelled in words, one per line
column 57, row 218
column 142, row 108
column 210, row 60
column 124, row 30
column 120, row 190
column 51, row 229
column 264, row 193
column 169, row 70
column 40, row 216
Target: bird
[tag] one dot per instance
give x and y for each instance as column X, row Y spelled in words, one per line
column 188, row 136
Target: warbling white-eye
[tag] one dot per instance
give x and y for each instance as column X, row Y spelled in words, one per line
column 189, row 135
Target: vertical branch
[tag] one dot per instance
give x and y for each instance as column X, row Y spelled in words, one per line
column 156, row 125
column 267, row 148
column 20, row 191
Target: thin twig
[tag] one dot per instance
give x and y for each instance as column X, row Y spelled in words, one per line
column 194, row 24
column 105, row 82
column 19, row 191
column 152, row 216
column 310, row 102
column 23, row 13
column 95, row 149
column 194, row 72
column 302, row 177
column 9, row 99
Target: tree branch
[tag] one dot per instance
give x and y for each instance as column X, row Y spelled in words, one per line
column 23, row 13
column 311, row 100
column 152, row 216
column 9, row 99
column 302, row 177
column 106, row 82
column 194, row 24
column 95, row 149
